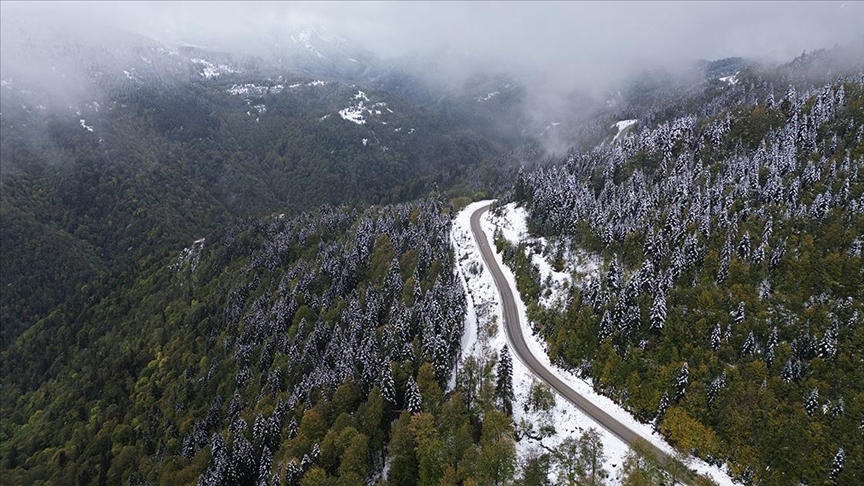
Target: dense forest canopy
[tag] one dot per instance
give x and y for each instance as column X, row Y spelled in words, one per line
column 730, row 310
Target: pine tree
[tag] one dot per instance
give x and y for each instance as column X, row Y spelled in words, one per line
column 413, row 400
column 837, row 465
column 605, row 327
column 658, row 312
column 811, row 403
column 828, row 343
column 292, row 473
column 613, row 277
column 661, row 408
column 504, row 386
column 749, row 346
column 264, row 466
column 771, row 346
column 388, row 388
column 681, row 382
column 793, row 370
column 716, row 335
column 838, row 409
column 738, row 314
column 715, row 387
column 744, row 247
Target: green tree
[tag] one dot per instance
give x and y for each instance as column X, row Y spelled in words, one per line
column 640, row 466
column 403, row 457
column 497, row 462
column 431, row 460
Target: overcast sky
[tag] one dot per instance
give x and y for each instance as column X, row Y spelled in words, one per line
column 541, row 30
column 554, row 39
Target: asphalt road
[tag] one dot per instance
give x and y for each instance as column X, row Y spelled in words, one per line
column 520, row 348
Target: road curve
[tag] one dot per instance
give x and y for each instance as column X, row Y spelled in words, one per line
column 517, row 342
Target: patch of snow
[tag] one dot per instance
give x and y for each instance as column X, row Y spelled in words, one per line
column 365, row 141
column 316, row 83
column 487, row 97
column 295, row 85
column 623, row 125
column 211, row 70
column 397, row 129
column 130, row 74
column 250, row 89
column 730, row 80
column 6, row 83
column 324, row 117
column 358, row 111
column 353, row 114
column 410, row 131
column 89, row 128
column 261, row 108
column 146, row 61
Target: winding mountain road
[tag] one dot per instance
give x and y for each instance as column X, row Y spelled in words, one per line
column 517, row 341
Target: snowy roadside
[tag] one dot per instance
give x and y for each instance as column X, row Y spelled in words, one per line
column 484, row 307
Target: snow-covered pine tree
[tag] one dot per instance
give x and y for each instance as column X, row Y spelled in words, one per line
column 292, row 473
column 661, row 408
column 504, row 385
column 714, row 388
column 738, row 314
column 658, row 312
column 388, row 388
column 771, row 346
column 811, row 402
column 716, row 335
column 792, row 370
column 837, row 409
column 828, row 343
column 613, row 276
column 749, row 346
column 837, row 465
column 744, row 247
column 681, row 382
column 413, row 400
column 605, row 327
column 264, row 466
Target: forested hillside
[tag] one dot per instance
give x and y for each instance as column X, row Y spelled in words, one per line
column 730, row 309
column 281, row 348
column 151, row 163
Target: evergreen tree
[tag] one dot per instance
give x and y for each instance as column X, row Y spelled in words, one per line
column 715, row 387
column 828, row 343
column 658, row 312
column 716, row 335
column 749, row 346
column 771, row 345
column 811, row 402
column 681, row 382
column 504, row 384
column 413, row 400
column 837, row 465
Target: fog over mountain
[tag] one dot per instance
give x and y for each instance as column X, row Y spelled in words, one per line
column 562, row 45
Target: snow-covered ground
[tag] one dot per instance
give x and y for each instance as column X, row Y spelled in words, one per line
column 484, row 314
column 211, row 70
column 621, row 126
column 730, row 80
column 359, row 111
